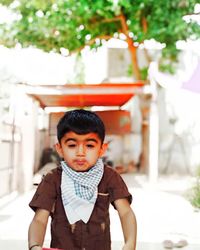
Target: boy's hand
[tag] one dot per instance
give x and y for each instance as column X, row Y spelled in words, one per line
column 128, row 246
column 36, row 248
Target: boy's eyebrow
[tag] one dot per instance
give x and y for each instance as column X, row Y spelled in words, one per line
column 70, row 139
column 89, row 139
column 92, row 139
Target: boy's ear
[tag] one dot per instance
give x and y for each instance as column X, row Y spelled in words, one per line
column 103, row 149
column 59, row 149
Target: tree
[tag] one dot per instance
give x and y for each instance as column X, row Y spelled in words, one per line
column 70, row 24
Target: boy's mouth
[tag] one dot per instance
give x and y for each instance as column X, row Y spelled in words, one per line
column 80, row 162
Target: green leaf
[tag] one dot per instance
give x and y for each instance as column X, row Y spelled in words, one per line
column 53, row 24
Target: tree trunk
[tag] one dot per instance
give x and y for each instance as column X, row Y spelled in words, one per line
column 133, row 51
column 144, row 99
column 132, row 48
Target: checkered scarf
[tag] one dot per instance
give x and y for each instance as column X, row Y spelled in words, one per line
column 79, row 191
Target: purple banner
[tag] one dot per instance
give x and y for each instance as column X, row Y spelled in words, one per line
column 193, row 84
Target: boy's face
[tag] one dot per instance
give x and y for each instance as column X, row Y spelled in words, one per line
column 80, row 152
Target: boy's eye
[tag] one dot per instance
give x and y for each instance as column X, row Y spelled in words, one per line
column 71, row 145
column 90, row 146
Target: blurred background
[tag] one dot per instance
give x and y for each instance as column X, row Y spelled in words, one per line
column 137, row 64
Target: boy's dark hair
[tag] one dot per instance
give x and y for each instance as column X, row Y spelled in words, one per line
column 81, row 122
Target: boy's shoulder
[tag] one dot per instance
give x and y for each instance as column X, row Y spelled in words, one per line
column 110, row 171
column 112, row 182
column 53, row 174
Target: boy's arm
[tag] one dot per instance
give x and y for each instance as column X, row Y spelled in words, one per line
column 37, row 229
column 128, row 222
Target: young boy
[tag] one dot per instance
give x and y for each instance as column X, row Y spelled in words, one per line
column 77, row 194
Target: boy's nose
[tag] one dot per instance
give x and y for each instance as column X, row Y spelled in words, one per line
column 81, row 150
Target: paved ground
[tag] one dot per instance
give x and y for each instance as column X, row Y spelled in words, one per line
column 162, row 211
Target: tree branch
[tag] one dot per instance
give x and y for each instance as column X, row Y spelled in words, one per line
column 114, row 19
column 192, row 14
column 145, row 28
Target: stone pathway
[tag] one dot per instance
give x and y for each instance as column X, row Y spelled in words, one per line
column 162, row 211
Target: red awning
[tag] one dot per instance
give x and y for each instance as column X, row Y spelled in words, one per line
column 83, row 95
